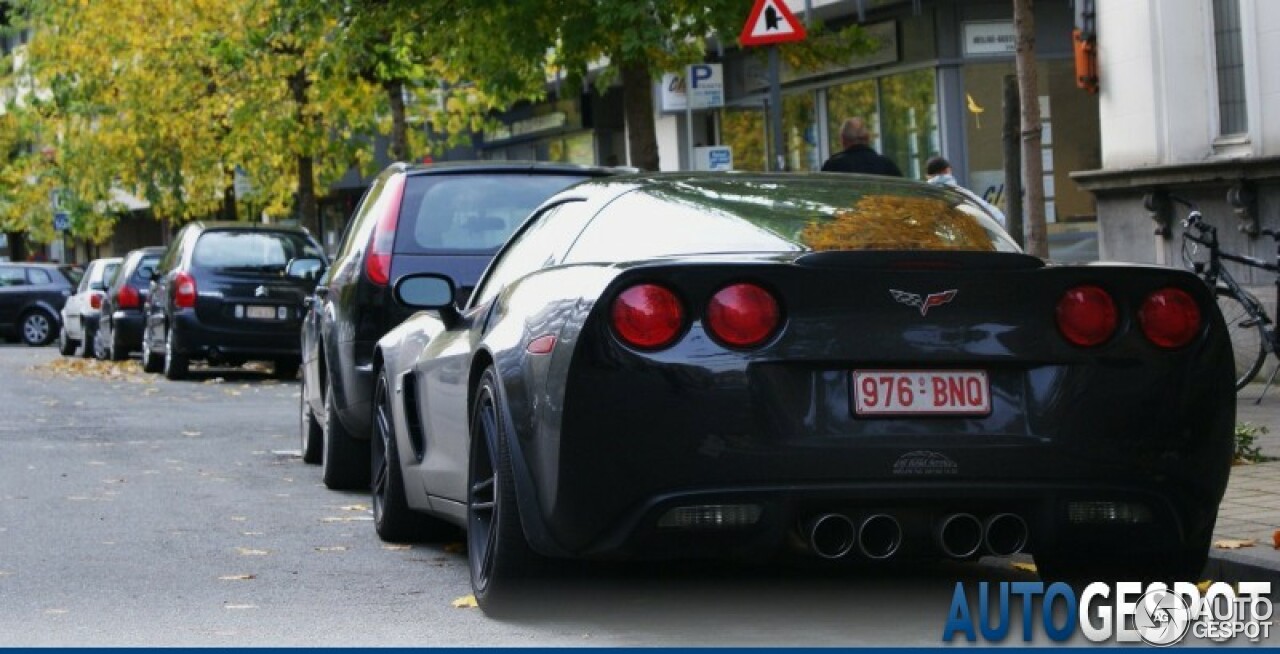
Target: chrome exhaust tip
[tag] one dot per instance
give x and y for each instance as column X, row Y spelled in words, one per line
column 879, row 536
column 1005, row 534
column 959, row 535
column 831, row 535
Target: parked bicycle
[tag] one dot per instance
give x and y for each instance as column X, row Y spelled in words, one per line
column 1253, row 333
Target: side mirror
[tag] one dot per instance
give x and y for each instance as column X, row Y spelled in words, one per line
column 425, row 291
column 305, row 268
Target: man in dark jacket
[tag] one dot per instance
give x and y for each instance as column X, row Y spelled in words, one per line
column 857, row 156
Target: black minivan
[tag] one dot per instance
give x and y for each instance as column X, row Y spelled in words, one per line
column 443, row 218
column 228, row 293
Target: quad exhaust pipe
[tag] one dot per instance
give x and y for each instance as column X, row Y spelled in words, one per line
column 880, row 536
column 959, row 535
column 831, row 535
column 1005, row 534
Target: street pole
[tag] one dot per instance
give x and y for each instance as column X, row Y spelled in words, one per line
column 688, row 112
column 775, row 104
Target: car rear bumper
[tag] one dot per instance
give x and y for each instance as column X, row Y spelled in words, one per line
column 200, row 340
column 127, row 329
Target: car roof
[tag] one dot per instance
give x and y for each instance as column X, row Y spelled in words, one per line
column 223, row 225
column 454, row 167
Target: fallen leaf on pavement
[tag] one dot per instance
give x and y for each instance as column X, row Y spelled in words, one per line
column 355, row 507
column 237, row 577
column 1025, row 567
column 55, row 611
column 334, row 548
column 190, row 433
column 454, row 548
column 5, row 573
column 238, row 518
column 240, row 606
column 252, row 533
column 468, row 602
column 397, row 548
column 245, row 551
column 1233, row 544
column 1275, row 539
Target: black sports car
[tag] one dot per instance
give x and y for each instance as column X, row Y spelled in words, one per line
column 680, row 366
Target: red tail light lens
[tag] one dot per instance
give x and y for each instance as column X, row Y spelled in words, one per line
column 377, row 261
column 95, row 300
column 127, row 298
column 1086, row 316
column 1170, row 318
column 743, row 315
column 184, row 291
column 648, row 316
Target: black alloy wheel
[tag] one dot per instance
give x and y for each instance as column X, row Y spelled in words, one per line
column 497, row 552
column 345, row 462
column 176, row 364
column 393, row 519
column 312, row 432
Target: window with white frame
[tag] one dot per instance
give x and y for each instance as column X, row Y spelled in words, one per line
column 1233, row 111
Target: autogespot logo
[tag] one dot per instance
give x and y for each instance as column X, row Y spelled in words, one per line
column 1126, row 613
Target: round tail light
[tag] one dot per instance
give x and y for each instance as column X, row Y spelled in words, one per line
column 1086, row 316
column 647, row 316
column 743, row 315
column 1170, row 318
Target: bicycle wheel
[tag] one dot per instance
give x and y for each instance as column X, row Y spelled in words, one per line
column 1247, row 332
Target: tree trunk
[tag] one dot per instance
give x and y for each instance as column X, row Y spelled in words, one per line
column 229, row 195
column 17, row 246
column 1012, row 142
column 307, row 211
column 1032, row 164
column 399, row 149
column 637, row 99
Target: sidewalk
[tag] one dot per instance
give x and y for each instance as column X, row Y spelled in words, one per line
column 1251, row 508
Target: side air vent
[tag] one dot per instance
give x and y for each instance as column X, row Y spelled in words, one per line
column 411, row 418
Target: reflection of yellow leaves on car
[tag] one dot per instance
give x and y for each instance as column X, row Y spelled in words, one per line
column 885, row 222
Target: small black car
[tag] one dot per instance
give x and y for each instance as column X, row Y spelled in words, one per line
column 228, row 293
column 120, row 323
column 448, row 219
column 31, row 299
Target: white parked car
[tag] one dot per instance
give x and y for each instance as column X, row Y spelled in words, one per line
column 80, row 313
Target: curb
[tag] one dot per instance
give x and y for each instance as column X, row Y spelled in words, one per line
column 1234, row 566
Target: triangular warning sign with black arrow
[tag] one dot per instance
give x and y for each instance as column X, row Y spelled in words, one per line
column 771, row 22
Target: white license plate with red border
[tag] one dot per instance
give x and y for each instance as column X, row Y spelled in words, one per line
column 921, row 393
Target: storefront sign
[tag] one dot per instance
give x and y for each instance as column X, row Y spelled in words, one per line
column 708, row 88
column 989, row 37
column 526, row 126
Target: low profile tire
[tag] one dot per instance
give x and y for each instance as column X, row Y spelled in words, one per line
column 66, row 346
column 85, row 349
column 345, row 464
column 176, row 364
column 498, row 554
column 393, row 519
column 38, row 328
column 286, row 369
column 151, row 361
column 312, row 432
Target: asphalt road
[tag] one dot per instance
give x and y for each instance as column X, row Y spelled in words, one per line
column 138, row 511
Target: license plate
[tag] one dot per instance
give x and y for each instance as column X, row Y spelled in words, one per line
column 921, row 392
column 260, row 313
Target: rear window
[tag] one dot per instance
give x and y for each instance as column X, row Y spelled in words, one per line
column 251, row 251
column 146, row 266
column 109, row 273
column 473, row 213
column 763, row 214
column 72, row 273
column 39, row 276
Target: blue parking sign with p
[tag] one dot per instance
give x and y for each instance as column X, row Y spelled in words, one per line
column 61, row 221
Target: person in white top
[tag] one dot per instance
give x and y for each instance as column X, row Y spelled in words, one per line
column 939, row 172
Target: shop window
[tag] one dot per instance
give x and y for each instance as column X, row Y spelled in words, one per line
column 800, row 129
column 854, row 100
column 909, row 110
column 744, row 131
